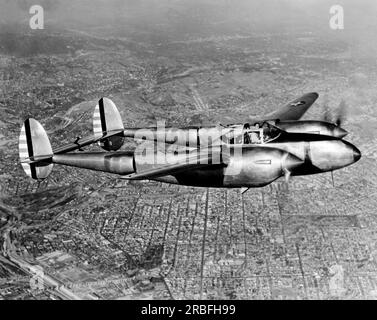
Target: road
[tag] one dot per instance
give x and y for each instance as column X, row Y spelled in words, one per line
column 49, row 282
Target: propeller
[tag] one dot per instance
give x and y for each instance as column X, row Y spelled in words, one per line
column 340, row 115
column 287, row 175
column 284, row 188
column 327, row 114
column 289, row 163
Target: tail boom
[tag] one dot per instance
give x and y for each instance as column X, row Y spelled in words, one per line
column 111, row 162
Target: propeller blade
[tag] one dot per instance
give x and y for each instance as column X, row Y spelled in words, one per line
column 287, row 175
column 341, row 113
column 340, row 116
column 326, row 113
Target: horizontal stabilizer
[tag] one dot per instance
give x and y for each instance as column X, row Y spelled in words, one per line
column 86, row 141
column 36, row 159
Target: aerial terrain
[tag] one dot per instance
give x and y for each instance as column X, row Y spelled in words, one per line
column 95, row 236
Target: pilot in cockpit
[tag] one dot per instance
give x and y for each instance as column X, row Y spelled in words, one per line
column 253, row 135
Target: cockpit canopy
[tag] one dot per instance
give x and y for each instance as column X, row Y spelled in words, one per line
column 258, row 133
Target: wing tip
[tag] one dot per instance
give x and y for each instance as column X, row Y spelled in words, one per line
column 314, row 95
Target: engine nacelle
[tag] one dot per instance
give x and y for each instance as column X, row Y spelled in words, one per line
column 313, row 127
column 258, row 166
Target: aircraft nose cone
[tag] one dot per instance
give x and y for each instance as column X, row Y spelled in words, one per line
column 340, row 132
column 356, row 154
column 352, row 151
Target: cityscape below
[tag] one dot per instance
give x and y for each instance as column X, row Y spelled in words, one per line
column 82, row 234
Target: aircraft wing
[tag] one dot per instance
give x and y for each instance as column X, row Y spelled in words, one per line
column 163, row 171
column 293, row 110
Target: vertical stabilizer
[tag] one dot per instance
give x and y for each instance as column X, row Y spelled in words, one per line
column 106, row 118
column 35, row 150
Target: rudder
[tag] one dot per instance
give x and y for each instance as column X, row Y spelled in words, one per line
column 35, row 150
column 106, row 118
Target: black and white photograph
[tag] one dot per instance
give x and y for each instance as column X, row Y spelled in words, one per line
column 188, row 150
